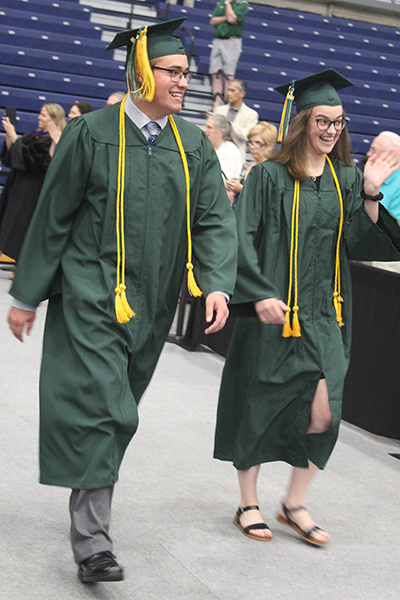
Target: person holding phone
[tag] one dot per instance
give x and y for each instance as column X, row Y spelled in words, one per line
column 28, row 157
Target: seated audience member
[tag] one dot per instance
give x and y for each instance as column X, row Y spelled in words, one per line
column 218, row 130
column 241, row 116
column 115, row 97
column 391, row 187
column 79, row 108
column 387, row 140
column 28, row 157
column 227, row 19
column 261, row 140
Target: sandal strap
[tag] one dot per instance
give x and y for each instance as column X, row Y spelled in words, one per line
column 287, row 510
column 255, row 526
column 240, row 510
column 315, row 528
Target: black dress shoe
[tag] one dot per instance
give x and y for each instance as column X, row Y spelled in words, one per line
column 100, row 567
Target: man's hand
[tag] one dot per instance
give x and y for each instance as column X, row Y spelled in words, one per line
column 272, row 311
column 20, row 320
column 216, row 302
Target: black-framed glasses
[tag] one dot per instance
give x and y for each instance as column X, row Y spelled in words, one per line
column 255, row 144
column 176, row 75
column 324, row 124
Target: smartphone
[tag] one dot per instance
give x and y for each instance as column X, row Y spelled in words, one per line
column 11, row 113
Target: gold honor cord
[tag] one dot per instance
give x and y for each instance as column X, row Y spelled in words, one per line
column 193, row 288
column 337, row 298
column 122, row 309
column 294, row 330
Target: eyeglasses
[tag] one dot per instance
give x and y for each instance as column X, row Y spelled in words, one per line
column 254, row 144
column 324, row 124
column 375, row 150
column 175, row 75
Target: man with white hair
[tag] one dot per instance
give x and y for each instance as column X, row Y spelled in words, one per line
column 391, row 187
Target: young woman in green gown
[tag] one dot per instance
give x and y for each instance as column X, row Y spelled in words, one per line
column 301, row 217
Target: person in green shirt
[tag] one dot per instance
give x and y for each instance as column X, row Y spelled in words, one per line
column 132, row 195
column 227, row 19
column 301, row 217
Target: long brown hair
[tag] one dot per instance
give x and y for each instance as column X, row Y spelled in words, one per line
column 291, row 152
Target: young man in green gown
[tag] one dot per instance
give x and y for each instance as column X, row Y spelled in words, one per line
column 111, row 233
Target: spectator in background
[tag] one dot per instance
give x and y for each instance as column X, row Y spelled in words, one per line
column 28, row 157
column 227, row 19
column 218, row 130
column 387, row 140
column 241, row 116
column 391, row 187
column 262, row 139
column 115, row 97
column 79, row 108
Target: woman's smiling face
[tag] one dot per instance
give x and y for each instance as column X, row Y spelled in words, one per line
column 321, row 134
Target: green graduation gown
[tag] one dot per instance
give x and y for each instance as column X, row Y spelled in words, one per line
column 94, row 369
column 269, row 381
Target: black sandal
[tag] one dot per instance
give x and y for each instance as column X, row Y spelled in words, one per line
column 246, row 530
column 306, row 535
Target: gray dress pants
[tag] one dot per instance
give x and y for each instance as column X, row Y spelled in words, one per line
column 90, row 512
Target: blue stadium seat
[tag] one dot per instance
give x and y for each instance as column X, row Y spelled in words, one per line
column 47, row 7
column 19, row 56
column 89, row 87
column 53, row 42
column 41, row 22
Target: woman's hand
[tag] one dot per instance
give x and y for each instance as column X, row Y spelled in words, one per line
column 233, row 185
column 10, row 131
column 272, row 311
column 378, row 168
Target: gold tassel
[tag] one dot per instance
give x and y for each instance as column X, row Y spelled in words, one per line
column 193, row 288
column 142, row 67
column 287, row 330
column 296, row 332
column 285, row 117
column 337, row 302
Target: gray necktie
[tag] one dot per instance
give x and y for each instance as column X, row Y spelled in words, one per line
column 154, row 129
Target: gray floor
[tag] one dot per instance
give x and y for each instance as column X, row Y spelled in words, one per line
column 174, row 504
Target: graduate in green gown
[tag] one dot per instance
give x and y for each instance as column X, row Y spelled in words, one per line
column 302, row 215
column 122, row 211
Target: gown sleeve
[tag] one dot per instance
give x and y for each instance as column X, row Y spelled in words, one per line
column 366, row 240
column 62, row 193
column 28, row 154
column 251, row 212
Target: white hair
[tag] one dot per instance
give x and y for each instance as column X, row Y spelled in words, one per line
column 392, row 140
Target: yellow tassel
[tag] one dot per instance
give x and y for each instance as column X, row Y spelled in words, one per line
column 143, row 67
column 122, row 317
column 337, row 301
column 296, row 332
column 287, row 330
column 125, row 304
column 193, row 288
column 285, row 117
